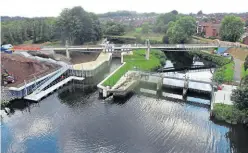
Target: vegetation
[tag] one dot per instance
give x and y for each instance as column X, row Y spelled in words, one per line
column 246, row 23
column 112, row 28
column 145, row 28
column 138, row 61
column 79, row 26
column 231, row 28
column 37, row 30
column 155, row 38
column 225, row 72
column 229, row 113
column 162, row 22
column 181, row 30
column 240, row 95
column 76, row 25
column 244, row 72
column 246, row 63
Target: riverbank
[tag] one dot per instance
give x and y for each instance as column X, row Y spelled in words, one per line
column 230, row 114
column 137, row 61
column 225, row 71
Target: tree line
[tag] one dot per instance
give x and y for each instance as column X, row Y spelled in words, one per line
column 78, row 27
column 75, row 25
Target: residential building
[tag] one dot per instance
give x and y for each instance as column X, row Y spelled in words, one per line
column 245, row 40
column 209, row 29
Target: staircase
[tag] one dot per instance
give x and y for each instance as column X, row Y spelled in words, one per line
column 49, row 81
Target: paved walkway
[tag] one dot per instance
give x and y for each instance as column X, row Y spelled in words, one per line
column 224, row 96
column 237, row 70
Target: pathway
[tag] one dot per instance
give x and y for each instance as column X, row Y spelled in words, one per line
column 237, row 70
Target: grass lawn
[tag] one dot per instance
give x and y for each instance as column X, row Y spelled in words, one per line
column 225, row 73
column 137, row 61
column 229, row 72
column 138, row 30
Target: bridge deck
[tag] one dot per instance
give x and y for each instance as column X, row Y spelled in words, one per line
column 174, row 47
column 41, row 94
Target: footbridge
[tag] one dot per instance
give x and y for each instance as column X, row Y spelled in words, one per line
column 129, row 47
column 175, row 77
column 187, row 68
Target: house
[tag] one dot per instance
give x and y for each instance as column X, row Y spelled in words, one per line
column 245, row 40
column 210, row 29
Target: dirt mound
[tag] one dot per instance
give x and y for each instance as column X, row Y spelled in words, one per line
column 238, row 53
column 23, row 68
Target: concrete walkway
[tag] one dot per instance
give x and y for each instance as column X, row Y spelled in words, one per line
column 237, row 70
column 224, row 96
column 93, row 64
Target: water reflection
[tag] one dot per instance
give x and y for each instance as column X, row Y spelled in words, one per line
column 74, row 119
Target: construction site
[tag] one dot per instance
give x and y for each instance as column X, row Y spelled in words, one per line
column 29, row 69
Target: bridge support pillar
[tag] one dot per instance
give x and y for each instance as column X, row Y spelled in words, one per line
column 148, row 49
column 159, row 87
column 67, row 50
column 186, row 87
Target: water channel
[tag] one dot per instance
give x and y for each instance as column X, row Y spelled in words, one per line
column 74, row 119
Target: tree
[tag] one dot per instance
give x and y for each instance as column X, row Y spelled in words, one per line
column 174, row 12
column 181, row 30
column 240, row 97
column 246, row 23
column 162, row 22
column 145, row 28
column 246, row 63
column 165, row 39
column 78, row 26
column 200, row 12
column 231, row 28
column 112, row 28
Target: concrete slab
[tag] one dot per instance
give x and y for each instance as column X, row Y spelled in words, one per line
column 93, row 64
column 224, row 96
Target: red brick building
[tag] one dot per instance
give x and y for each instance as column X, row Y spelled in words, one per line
column 209, row 29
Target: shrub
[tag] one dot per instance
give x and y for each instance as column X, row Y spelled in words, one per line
column 229, row 113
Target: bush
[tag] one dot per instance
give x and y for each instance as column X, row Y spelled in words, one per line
column 240, row 97
column 224, row 73
column 229, row 113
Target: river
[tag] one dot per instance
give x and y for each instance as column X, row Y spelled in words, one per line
column 74, row 119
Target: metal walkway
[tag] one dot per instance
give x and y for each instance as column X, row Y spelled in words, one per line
column 48, row 82
column 123, row 47
column 41, row 94
column 174, row 77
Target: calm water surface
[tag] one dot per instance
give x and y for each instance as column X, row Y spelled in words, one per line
column 76, row 120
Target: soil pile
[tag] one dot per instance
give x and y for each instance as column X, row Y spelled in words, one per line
column 23, row 68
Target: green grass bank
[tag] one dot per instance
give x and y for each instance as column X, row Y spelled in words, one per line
column 138, row 61
column 225, row 71
column 229, row 113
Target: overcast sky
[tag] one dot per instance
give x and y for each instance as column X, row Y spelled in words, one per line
column 34, row 8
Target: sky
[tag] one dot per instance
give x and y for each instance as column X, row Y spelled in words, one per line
column 41, row 8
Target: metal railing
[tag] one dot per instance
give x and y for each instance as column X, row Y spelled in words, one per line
column 58, row 74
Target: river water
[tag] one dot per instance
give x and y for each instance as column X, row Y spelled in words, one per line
column 74, row 119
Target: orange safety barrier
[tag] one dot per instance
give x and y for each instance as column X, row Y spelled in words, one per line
column 16, row 48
